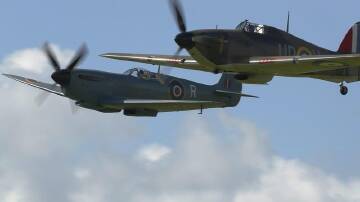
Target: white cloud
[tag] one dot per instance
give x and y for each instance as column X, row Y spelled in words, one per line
column 47, row 154
column 38, row 145
column 290, row 180
column 34, row 60
column 13, row 196
column 82, row 173
column 154, row 152
column 235, row 166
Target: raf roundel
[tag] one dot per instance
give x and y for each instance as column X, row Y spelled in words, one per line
column 176, row 90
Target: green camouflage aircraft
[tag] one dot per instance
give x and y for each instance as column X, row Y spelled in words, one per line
column 137, row 92
column 255, row 53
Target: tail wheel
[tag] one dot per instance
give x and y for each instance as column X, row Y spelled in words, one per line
column 344, row 90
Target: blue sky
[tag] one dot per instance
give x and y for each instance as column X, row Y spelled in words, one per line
column 303, row 119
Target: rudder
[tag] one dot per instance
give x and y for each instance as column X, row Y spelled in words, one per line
column 351, row 42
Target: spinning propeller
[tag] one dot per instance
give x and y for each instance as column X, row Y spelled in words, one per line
column 178, row 14
column 180, row 20
column 61, row 76
column 177, row 11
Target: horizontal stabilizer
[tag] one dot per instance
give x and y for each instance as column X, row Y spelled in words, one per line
column 236, row 93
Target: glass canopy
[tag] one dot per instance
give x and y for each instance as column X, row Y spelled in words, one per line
column 250, row 27
column 141, row 73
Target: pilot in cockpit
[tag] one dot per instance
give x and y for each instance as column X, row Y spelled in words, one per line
column 141, row 73
column 249, row 27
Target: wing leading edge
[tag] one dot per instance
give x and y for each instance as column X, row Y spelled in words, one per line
column 305, row 64
column 326, row 67
column 184, row 62
column 51, row 88
column 333, row 68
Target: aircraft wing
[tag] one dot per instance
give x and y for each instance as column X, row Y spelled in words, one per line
column 277, row 65
column 51, row 88
column 333, row 68
column 185, row 62
column 296, row 65
column 161, row 105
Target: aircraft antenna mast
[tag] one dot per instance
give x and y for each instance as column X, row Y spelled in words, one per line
column 288, row 23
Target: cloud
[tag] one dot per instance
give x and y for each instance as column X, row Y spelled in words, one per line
column 47, row 154
column 291, row 180
column 236, row 165
column 82, row 174
column 154, row 152
column 33, row 60
column 34, row 141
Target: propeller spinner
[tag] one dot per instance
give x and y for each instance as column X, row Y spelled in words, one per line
column 62, row 76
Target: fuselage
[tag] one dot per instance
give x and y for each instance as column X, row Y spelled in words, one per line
column 91, row 88
column 221, row 47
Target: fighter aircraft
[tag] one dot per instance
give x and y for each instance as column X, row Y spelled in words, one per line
column 255, row 53
column 137, row 92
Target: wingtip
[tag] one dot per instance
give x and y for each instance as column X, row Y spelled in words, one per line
column 7, row 75
column 107, row 55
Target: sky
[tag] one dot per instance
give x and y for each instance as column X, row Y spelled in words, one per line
column 298, row 142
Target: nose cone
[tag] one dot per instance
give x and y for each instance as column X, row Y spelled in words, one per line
column 185, row 40
column 61, row 77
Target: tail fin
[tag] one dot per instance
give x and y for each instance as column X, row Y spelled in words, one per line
column 228, row 85
column 227, row 82
column 351, row 42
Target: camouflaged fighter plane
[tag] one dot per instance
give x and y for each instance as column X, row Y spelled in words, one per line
column 137, row 92
column 255, row 53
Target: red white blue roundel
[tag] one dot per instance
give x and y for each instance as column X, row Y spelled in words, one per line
column 176, row 90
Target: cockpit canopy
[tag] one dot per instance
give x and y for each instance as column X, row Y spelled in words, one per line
column 250, row 27
column 141, row 73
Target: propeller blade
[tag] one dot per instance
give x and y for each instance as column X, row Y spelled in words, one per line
column 74, row 107
column 168, row 70
column 178, row 14
column 41, row 98
column 80, row 55
column 177, row 53
column 52, row 58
